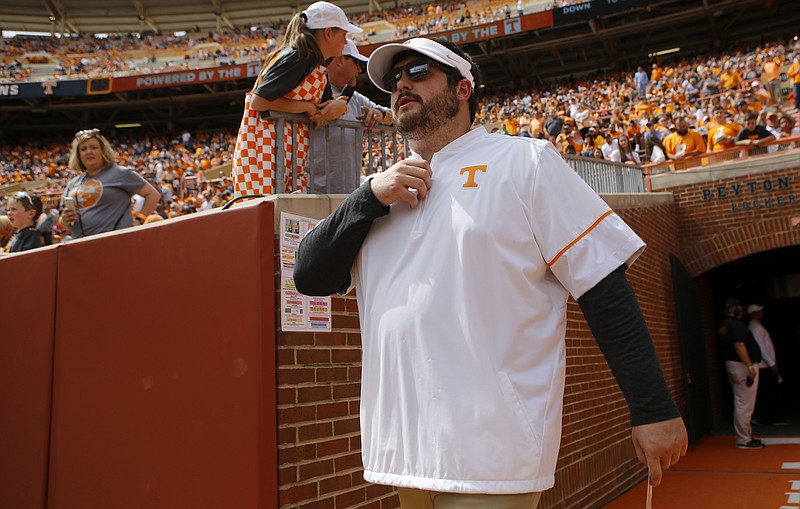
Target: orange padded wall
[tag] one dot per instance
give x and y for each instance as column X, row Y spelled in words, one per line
column 164, row 366
column 26, row 363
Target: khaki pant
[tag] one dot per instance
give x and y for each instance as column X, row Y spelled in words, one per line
column 744, row 400
column 411, row 498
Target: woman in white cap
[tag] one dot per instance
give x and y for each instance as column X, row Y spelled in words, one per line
column 292, row 81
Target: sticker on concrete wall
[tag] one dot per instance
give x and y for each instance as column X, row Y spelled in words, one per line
column 299, row 312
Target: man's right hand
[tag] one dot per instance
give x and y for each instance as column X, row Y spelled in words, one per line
column 407, row 180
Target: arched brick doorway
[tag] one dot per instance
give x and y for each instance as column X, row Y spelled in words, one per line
column 769, row 277
column 739, row 242
column 736, row 225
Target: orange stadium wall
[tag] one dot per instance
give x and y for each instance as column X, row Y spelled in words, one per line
column 138, row 369
column 26, row 376
column 318, row 386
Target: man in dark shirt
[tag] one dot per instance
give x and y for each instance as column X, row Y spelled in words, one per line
column 742, row 372
column 753, row 134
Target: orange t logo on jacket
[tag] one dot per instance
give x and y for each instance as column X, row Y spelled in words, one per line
column 471, row 170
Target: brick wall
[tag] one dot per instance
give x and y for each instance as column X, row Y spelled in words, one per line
column 597, row 462
column 318, row 397
column 724, row 219
column 319, row 446
column 723, row 215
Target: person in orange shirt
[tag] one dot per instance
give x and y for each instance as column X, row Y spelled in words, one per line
column 730, row 79
column 593, row 138
column 656, row 73
column 570, row 137
column 760, row 92
column 794, row 74
column 616, row 129
column 643, row 109
column 771, row 75
column 679, row 94
column 754, row 102
column 721, row 132
column 537, row 124
column 634, row 132
column 669, row 106
column 684, row 142
column 511, row 123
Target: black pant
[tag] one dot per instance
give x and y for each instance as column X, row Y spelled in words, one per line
column 768, row 406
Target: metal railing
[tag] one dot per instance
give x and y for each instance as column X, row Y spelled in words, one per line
column 380, row 147
column 721, row 156
column 606, row 176
column 341, row 142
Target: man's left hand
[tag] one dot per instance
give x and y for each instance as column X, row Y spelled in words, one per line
column 659, row 445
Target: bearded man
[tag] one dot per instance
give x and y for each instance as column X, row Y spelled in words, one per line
column 463, row 256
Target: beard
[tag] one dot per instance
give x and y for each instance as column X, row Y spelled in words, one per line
column 683, row 132
column 429, row 116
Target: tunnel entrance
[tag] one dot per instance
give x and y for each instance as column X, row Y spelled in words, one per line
column 771, row 279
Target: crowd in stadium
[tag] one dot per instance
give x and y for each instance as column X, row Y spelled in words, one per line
column 88, row 56
column 626, row 116
column 165, row 158
column 421, row 19
column 689, row 87
column 174, row 166
column 595, row 110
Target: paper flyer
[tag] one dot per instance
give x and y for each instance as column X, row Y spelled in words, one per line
column 299, row 312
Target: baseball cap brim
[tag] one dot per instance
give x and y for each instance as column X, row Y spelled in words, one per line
column 348, row 27
column 351, row 28
column 381, row 60
column 327, row 15
column 351, row 50
column 732, row 303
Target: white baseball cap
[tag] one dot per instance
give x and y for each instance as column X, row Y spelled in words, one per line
column 351, row 50
column 380, row 62
column 754, row 307
column 326, row 15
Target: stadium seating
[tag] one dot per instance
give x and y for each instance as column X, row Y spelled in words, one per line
column 609, row 99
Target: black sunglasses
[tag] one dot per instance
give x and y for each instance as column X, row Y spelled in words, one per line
column 21, row 195
column 87, row 132
column 415, row 70
column 361, row 65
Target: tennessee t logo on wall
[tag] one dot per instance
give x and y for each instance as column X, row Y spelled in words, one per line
column 471, row 170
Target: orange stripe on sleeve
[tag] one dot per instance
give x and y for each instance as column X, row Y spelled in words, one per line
column 579, row 237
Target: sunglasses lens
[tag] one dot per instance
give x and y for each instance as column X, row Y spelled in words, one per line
column 391, row 78
column 415, row 71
